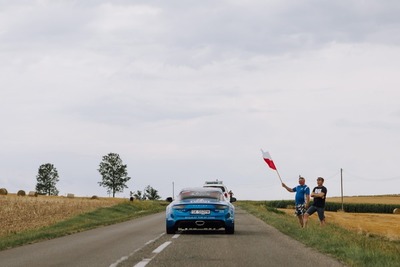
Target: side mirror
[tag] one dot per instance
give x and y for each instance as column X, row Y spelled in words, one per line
column 233, row 199
column 169, row 199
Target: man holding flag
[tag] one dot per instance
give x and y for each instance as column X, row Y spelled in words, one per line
column 302, row 198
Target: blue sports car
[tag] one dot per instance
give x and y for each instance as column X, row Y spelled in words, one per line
column 201, row 208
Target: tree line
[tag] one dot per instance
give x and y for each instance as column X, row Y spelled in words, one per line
column 114, row 178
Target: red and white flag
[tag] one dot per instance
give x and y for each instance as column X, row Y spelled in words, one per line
column 268, row 159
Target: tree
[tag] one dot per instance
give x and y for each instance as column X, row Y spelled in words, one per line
column 47, row 178
column 139, row 195
column 114, row 173
column 151, row 193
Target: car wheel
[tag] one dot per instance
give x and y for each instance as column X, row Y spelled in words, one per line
column 230, row 230
column 171, row 230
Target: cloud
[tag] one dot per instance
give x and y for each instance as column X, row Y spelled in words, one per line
column 190, row 91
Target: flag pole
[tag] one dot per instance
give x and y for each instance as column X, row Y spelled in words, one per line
column 279, row 176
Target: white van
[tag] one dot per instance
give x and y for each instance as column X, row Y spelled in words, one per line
column 218, row 184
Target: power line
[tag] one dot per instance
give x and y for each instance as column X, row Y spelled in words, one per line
column 336, row 174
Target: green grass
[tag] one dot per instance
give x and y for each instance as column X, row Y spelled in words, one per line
column 348, row 247
column 100, row 217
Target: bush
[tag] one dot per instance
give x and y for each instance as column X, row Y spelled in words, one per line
column 361, row 208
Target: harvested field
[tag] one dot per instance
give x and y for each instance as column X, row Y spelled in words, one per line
column 20, row 213
column 386, row 225
column 370, row 224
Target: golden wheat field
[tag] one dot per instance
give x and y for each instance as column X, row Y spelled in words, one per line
column 386, row 225
column 20, row 213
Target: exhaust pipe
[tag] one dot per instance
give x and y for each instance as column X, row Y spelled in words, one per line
column 200, row 223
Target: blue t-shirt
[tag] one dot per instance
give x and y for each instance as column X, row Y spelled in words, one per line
column 301, row 192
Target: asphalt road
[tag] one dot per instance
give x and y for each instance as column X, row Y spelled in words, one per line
column 142, row 242
column 103, row 246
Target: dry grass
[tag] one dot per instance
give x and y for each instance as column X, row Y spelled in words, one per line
column 370, row 224
column 386, row 225
column 24, row 213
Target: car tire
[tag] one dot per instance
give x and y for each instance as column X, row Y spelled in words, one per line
column 230, row 230
column 170, row 230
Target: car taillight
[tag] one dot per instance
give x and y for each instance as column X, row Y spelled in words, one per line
column 221, row 207
column 179, row 207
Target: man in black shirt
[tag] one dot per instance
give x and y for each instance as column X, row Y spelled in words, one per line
column 319, row 195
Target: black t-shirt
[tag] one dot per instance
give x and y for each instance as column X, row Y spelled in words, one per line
column 320, row 201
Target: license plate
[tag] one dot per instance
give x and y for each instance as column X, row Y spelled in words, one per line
column 201, row 212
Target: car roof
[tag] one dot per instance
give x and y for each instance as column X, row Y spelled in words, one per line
column 215, row 182
column 200, row 192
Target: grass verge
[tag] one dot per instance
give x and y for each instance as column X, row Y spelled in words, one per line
column 347, row 246
column 85, row 221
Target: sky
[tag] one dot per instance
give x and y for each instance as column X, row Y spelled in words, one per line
column 191, row 91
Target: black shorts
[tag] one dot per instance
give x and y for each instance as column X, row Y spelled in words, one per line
column 320, row 211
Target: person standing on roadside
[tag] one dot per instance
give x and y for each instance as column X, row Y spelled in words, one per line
column 319, row 194
column 302, row 198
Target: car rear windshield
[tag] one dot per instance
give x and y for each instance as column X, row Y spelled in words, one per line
column 200, row 194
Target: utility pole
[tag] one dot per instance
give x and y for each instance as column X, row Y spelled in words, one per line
column 173, row 190
column 341, row 185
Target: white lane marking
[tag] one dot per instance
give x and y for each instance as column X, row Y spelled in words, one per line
column 153, row 240
column 161, row 247
column 123, row 258
column 144, row 262
column 176, row 236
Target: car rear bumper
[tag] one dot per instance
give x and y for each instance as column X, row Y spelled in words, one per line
column 199, row 223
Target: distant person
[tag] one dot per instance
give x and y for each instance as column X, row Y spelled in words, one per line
column 231, row 197
column 319, row 195
column 302, row 198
